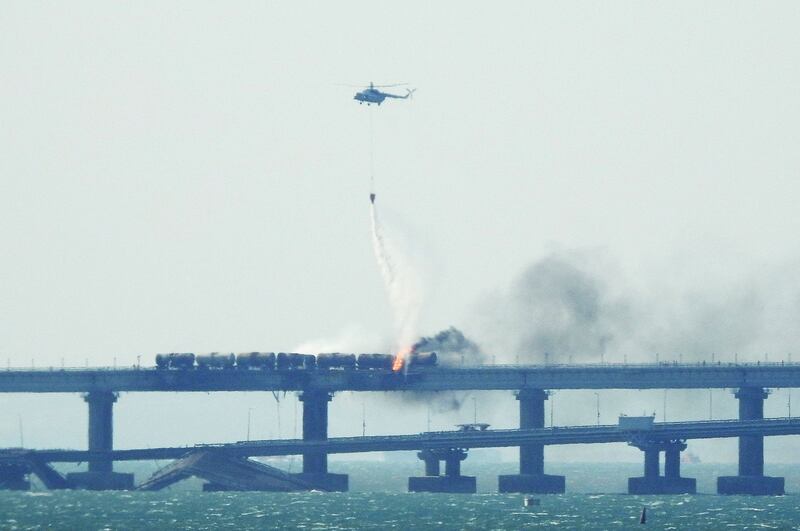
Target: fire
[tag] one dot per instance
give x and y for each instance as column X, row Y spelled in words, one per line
column 400, row 359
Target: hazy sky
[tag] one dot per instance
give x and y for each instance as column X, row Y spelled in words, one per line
column 189, row 177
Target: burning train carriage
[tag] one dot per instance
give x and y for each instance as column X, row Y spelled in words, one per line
column 293, row 361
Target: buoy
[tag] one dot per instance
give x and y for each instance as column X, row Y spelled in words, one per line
column 643, row 517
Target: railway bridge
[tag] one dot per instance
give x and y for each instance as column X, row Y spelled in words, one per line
column 101, row 387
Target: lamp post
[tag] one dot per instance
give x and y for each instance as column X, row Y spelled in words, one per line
column 710, row 403
column 597, row 397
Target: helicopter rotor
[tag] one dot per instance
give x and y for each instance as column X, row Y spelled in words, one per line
column 370, row 85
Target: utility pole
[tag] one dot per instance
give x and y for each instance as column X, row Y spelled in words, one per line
column 710, row 414
column 474, row 410
column 249, row 411
column 789, row 403
column 597, row 397
column 363, row 418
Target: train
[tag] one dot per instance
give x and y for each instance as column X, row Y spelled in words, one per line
column 290, row 361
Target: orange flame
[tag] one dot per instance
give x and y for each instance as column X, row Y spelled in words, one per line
column 397, row 364
column 400, row 359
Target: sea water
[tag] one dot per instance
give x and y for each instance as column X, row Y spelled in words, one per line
column 376, row 501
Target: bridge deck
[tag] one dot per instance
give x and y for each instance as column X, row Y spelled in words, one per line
column 496, row 377
column 449, row 439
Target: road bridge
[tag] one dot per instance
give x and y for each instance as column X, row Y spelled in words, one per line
column 661, row 431
column 667, row 437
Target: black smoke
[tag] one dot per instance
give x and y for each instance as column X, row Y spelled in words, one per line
column 558, row 310
column 452, row 347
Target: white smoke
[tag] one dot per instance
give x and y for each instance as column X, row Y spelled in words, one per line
column 403, row 284
column 352, row 338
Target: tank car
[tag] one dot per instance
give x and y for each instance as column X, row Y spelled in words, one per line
column 375, row 361
column 263, row 360
column 309, row 361
column 215, row 360
column 335, row 360
column 256, row 360
column 423, row 359
column 243, row 360
column 162, row 361
column 182, row 361
column 289, row 361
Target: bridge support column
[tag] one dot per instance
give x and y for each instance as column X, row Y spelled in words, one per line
column 671, row 482
column 101, row 475
column 751, row 478
column 431, row 462
column 14, row 476
column 315, row 428
column 531, row 477
column 452, row 481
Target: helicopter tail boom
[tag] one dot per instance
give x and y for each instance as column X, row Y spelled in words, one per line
column 409, row 92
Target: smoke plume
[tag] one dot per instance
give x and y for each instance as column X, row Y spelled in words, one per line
column 556, row 310
column 573, row 307
column 452, row 348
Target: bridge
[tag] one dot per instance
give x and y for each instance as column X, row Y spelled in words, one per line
column 660, row 432
column 449, row 446
column 531, row 384
column 486, row 378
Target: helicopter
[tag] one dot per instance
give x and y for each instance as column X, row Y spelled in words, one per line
column 372, row 95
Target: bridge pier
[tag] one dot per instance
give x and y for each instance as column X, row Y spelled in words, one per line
column 654, row 483
column 14, row 476
column 751, row 478
column 452, row 481
column 315, row 428
column 101, row 475
column 531, row 477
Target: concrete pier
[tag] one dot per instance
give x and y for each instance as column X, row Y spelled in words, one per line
column 14, row 476
column 451, row 481
column 531, row 477
column 101, row 475
column 751, row 478
column 654, row 483
column 315, row 428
